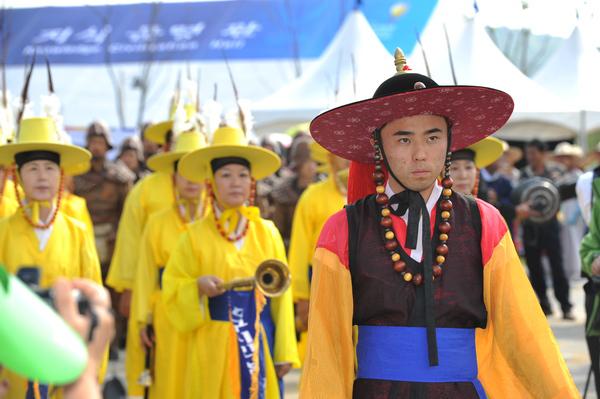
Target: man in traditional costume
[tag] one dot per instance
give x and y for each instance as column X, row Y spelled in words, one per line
column 161, row 234
column 241, row 342
column 40, row 234
column 416, row 285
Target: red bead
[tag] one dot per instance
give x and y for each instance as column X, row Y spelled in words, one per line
column 386, row 221
column 400, row 266
column 418, row 279
column 437, row 271
column 447, row 182
column 444, row 227
column 378, row 176
column 382, row 199
column 391, row 245
column 446, row 205
column 442, row 249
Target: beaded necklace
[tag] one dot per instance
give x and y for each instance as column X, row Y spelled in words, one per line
column 220, row 228
column 42, row 226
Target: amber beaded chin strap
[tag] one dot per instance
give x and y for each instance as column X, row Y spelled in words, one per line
column 220, row 228
column 43, row 226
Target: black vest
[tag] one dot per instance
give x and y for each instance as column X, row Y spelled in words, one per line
column 382, row 297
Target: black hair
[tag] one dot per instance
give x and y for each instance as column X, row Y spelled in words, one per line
column 538, row 144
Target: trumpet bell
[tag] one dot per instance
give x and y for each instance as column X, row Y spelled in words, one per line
column 272, row 277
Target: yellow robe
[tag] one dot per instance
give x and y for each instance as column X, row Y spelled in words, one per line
column 212, row 368
column 69, row 253
column 8, row 201
column 160, row 237
column 8, row 206
column 316, row 204
column 76, row 207
column 151, row 194
column 517, row 355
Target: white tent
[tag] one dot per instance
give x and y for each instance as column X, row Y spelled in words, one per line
column 478, row 61
column 350, row 69
column 572, row 73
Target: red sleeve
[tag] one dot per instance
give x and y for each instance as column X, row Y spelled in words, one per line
column 493, row 228
column 334, row 236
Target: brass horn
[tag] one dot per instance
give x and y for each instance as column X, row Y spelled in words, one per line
column 272, row 278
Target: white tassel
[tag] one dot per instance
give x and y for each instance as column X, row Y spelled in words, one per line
column 212, row 112
column 180, row 121
column 51, row 109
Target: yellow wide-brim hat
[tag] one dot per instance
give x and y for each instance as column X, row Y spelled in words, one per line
column 157, row 132
column 487, row 151
column 40, row 134
column 321, row 156
column 228, row 142
column 184, row 143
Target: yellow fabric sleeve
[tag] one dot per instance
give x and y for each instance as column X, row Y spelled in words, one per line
column 180, row 290
column 131, row 224
column 282, row 312
column 146, row 280
column 329, row 364
column 517, row 354
column 90, row 264
column 301, row 248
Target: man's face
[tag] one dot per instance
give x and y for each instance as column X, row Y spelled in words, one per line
column 130, row 159
column 415, row 148
column 534, row 156
column 150, row 148
column 97, row 146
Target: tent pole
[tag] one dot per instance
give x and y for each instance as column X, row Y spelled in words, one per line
column 582, row 131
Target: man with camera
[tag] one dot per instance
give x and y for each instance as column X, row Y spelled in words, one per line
column 543, row 237
column 99, row 329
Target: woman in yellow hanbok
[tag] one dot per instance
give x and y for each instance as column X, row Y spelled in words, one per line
column 240, row 342
column 160, row 237
column 40, row 239
column 316, row 204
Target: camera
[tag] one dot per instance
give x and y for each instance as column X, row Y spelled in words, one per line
column 30, row 276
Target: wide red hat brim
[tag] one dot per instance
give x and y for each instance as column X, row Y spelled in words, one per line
column 474, row 113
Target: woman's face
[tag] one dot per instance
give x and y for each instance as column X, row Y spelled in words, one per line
column 187, row 189
column 232, row 185
column 40, row 180
column 464, row 174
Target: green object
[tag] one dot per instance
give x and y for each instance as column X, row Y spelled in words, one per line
column 35, row 342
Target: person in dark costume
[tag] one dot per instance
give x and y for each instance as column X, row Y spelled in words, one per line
column 396, row 313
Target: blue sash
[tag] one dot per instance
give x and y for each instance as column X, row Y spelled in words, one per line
column 43, row 389
column 399, row 354
column 243, row 314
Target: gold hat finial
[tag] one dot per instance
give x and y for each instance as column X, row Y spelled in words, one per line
column 400, row 61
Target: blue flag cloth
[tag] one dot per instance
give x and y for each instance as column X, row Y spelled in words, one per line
column 243, row 317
